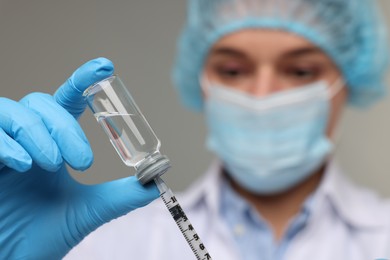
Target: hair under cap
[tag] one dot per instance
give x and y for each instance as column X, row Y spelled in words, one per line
column 350, row 32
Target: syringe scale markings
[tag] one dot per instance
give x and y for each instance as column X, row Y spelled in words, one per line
column 177, row 212
column 182, row 221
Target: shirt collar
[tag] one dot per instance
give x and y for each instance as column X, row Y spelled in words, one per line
column 207, row 191
column 336, row 194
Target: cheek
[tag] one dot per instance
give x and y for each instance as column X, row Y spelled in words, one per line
column 336, row 110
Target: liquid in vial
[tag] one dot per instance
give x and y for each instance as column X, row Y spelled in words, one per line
column 127, row 134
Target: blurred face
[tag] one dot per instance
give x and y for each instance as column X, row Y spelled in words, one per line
column 262, row 62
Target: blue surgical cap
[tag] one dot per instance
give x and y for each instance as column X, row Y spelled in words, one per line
column 350, row 32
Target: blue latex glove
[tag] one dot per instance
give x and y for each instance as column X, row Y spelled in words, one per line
column 43, row 211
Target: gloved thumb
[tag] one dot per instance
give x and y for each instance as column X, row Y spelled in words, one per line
column 116, row 198
column 69, row 95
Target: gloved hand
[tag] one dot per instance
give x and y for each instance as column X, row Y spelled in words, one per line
column 43, row 211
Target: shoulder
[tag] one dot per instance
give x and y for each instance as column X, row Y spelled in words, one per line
column 360, row 206
column 368, row 219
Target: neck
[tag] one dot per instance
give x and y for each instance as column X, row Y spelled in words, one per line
column 279, row 209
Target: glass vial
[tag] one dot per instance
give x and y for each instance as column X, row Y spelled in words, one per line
column 129, row 132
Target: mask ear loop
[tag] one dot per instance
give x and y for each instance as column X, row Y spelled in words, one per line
column 336, row 137
column 336, row 87
column 204, row 83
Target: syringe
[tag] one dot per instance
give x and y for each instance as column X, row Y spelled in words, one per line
column 138, row 147
column 182, row 221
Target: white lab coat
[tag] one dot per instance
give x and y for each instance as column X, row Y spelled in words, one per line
column 348, row 222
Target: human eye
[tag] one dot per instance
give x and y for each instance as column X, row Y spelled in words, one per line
column 230, row 72
column 302, row 73
column 305, row 73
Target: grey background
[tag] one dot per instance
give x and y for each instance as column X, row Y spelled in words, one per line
column 42, row 42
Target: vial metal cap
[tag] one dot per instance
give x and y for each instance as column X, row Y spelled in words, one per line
column 152, row 167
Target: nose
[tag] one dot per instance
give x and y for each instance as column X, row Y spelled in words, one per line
column 265, row 82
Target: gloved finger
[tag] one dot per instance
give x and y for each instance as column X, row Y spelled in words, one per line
column 64, row 129
column 128, row 195
column 27, row 129
column 69, row 95
column 13, row 155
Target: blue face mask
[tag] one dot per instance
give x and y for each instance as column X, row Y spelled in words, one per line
column 272, row 143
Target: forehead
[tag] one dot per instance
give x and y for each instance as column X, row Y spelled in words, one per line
column 263, row 43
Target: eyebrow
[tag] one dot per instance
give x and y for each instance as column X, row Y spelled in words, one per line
column 226, row 51
column 303, row 51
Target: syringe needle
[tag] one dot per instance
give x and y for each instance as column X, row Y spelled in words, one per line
column 182, row 221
